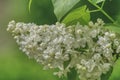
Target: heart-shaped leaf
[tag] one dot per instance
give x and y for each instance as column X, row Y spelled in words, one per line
column 61, row 7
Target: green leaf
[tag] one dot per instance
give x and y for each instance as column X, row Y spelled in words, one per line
column 72, row 75
column 107, row 75
column 78, row 15
column 29, row 6
column 97, row 1
column 113, row 28
column 61, row 7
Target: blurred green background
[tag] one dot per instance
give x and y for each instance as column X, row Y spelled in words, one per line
column 15, row 65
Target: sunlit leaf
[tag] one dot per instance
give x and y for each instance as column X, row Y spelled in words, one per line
column 61, row 7
column 80, row 14
column 113, row 28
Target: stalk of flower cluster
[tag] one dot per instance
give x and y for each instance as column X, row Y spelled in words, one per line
column 91, row 49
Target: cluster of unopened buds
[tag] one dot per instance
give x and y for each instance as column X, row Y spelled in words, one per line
column 91, row 49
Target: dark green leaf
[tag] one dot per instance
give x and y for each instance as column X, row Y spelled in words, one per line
column 78, row 15
column 106, row 76
column 61, row 7
column 72, row 75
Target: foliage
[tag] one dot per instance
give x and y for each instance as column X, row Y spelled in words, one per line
column 80, row 14
column 114, row 28
column 61, row 7
column 106, row 76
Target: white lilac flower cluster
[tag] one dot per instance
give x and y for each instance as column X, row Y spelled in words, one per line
column 90, row 49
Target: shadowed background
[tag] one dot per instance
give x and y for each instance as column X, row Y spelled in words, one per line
column 15, row 65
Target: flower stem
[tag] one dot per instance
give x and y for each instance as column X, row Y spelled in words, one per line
column 94, row 11
column 103, row 4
